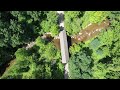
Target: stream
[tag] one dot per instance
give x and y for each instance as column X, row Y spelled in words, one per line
column 89, row 32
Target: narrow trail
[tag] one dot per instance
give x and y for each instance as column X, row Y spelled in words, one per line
column 30, row 45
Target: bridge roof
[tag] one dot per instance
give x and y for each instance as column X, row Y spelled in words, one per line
column 64, row 46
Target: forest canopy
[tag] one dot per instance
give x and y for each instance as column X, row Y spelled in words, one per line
column 96, row 58
column 19, row 28
column 99, row 56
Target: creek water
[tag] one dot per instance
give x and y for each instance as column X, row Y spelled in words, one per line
column 89, row 32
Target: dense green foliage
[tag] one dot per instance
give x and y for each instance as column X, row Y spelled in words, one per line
column 73, row 22
column 78, row 20
column 37, row 63
column 97, row 58
column 50, row 24
column 94, row 17
column 103, row 51
column 17, row 29
column 80, row 65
